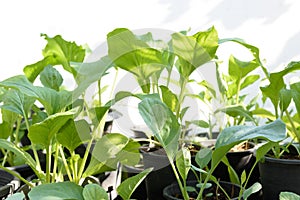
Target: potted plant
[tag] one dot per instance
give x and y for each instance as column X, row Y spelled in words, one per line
column 281, row 165
column 63, row 125
column 163, row 123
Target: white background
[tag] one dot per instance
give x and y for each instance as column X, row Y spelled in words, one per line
column 271, row 25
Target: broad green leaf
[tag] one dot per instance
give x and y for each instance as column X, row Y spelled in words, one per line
column 285, row 97
column 130, row 154
column 229, row 137
column 272, row 90
column 107, row 152
column 88, row 73
column 162, row 122
column 109, row 146
column 263, row 113
column 295, row 90
column 200, row 123
column 183, row 111
column 249, row 80
column 263, row 150
column 9, row 119
column 16, row 196
column 134, row 56
column 127, row 187
column 251, row 190
column 73, row 133
column 17, row 102
column 169, row 98
column 44, row 132
column 238, row 69
column 254, row 50
column 97, row 114
column 51, row 78
column 288, row 196
column 94, row 191
column 183, row 162
column 56, row 191
column 5, row 130
column 96, row 167
column 235, row 111
column 194, row 51
column 57, row 52
column 52, row 100
column 203, row 157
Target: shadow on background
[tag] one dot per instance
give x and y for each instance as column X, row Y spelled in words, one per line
column 176, row 8
column 233, row 13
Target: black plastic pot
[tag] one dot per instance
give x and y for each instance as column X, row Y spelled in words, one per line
column 240, row 161
column 278, row 175
column 172, row 191
column 161, row 176
column 8, row 184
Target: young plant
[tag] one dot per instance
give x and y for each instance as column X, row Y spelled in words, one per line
column 164, row 125
column 285, row 100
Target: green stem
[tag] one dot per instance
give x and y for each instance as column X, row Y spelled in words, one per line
column 114, row 82
column 292, row 124
column 247, row 180
column 182, row 188
column 17, row 131
column 65, row 163
column 48, row 164
column 55, row 164
column 99, row 92
column 181, row 95
column 36, row 156
column 17, row 176
column 84, row 159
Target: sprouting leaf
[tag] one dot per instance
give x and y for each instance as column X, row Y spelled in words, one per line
column 127, row 187
column 94, row 191
column 183, row 162
column 51, row 78
column 169, row 98
column 272, row 90
column 251, row 190
column 203, row 157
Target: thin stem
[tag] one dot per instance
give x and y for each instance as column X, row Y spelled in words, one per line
column 181, row 95
column 99, row 92
column 36, row 156
column 114, row 82
column 65, row 163
column 182, row 188
column 48, row 164
column 55, row 164
column 292, row 124
column 84, row 160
